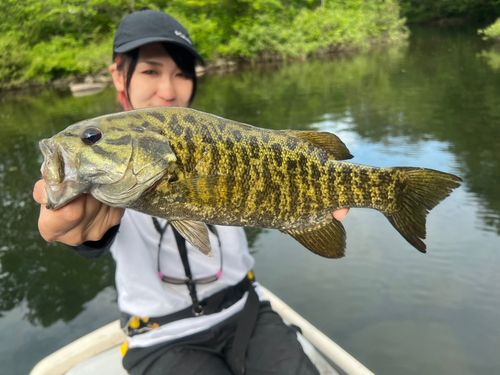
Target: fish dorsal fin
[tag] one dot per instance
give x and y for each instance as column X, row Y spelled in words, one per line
column 326, row 239
column 196, row 233
column 326, row 141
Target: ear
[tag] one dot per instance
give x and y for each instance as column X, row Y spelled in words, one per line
column 118, row 79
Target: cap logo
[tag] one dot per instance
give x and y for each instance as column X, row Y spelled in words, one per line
column 178, row 33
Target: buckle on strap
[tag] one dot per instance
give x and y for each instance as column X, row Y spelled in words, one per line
column 198, row 311
column 137, row 325
column 133, row 325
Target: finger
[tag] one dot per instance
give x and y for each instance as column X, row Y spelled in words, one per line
column 340, row 213
column 116, row 215
column 39, row 193
column 98, row 218
column 106, row 218
column 58, row 225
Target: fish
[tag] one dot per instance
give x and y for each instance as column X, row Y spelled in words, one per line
column 194, row 168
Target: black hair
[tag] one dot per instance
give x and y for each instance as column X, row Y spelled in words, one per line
column 185, row 61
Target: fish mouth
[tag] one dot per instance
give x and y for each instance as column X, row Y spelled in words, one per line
column 53, row 164
column 59, row 174
column 60, row 195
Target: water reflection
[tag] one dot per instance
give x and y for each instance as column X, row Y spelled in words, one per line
column 252, row 236
column 492, row 56
column 432, row 103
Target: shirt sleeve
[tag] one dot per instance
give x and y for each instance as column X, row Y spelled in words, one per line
column 96, row 249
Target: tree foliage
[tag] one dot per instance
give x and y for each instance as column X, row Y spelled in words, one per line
column 45, row 40
column 430, row 10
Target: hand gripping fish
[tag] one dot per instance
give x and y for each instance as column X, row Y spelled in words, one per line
column 193, row 168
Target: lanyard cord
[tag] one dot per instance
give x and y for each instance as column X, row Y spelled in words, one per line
column 191, row 285
column 181, row 246
column 161, row 231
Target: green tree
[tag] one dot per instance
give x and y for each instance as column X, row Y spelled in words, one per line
column 55, row 38
column 430, row 10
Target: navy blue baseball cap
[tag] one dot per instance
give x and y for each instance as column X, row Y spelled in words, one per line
column 148, row 26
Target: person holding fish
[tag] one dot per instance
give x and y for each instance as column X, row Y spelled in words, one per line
column 183, row 312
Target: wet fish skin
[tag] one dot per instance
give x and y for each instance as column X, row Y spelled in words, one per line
column 227, row 173
column 118, row 168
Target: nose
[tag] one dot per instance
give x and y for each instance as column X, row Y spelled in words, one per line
column 166, row 89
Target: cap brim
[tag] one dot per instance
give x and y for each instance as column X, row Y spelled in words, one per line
column 140, row 42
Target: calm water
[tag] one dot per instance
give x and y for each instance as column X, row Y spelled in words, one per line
column 432, row 103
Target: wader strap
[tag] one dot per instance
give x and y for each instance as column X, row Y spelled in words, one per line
column 211, row 305
column 244, row 329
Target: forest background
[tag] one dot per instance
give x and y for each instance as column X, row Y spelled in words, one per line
column 42, row 41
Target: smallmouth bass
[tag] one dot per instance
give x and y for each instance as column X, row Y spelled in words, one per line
column 193, row 168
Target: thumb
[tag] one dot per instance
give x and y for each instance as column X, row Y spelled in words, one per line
column 39, row 193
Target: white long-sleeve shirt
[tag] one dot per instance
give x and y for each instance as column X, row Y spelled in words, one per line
column 142, row 293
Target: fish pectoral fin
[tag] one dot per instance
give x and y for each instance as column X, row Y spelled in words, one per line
column 326, row 239
column 328, row 142
column 196, row 233
column 205, row 190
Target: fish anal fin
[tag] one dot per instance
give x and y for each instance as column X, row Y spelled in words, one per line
column 328, row 142
column 326, row 239
column 196, row 233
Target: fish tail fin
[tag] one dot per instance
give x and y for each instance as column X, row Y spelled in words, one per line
column 422, row 190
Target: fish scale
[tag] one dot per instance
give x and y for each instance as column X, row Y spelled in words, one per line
column 285, row 161
column 249, row 174
column 194, row 167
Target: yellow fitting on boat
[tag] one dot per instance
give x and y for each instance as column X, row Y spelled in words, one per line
column 124, row 348
column 145, row 320
column 135, row 322
column 250, row 275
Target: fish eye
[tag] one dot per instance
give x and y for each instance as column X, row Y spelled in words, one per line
column 90, row 136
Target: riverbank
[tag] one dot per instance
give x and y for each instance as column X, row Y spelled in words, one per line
column 72, row 43
column 103, row 78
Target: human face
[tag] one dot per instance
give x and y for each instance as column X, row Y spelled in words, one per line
column 157, row 81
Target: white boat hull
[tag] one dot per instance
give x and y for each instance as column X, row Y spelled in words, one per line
column 99, row 353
